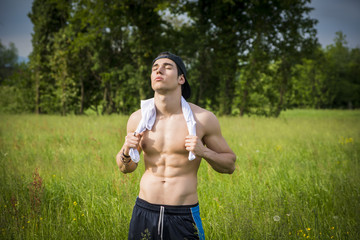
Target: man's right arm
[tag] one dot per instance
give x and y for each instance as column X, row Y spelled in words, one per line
column 123, row 160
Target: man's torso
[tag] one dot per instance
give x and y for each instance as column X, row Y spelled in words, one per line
column 169, row 178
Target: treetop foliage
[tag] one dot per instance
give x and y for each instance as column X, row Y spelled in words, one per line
column 243, row 57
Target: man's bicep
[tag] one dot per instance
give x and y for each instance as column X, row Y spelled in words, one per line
column 133, row 121
column 217, row 143
column 213, row 138
column 132, row 124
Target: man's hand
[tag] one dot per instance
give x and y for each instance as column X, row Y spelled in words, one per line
column 132, row 140
column 194, row 144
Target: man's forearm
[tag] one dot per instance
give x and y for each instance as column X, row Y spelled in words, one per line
column 125, row 165
column 220, row 162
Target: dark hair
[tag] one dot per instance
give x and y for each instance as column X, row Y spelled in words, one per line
column 185, row 88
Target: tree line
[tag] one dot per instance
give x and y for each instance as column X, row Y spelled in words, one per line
column 243, row 57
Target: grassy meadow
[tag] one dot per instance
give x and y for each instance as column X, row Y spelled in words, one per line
column 297, row 177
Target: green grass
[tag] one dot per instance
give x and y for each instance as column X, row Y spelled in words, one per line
column 297, row 177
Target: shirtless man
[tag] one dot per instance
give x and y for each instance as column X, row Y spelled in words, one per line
column 167, row 206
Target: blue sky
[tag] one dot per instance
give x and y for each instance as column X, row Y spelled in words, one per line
column 333, row 16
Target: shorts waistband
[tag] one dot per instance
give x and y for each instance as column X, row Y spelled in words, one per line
column 169, row 209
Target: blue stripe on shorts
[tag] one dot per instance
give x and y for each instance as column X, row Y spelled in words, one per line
column 195, row 212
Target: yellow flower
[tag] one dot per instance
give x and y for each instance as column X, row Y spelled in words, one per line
column 82, row 215
column 74, row 219
column 75, row 203
column 308, row 229
column 332, row 228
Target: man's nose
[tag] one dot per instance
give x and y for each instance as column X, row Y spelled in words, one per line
column 160, row 70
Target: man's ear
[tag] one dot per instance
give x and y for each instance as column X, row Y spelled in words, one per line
column 181, row 79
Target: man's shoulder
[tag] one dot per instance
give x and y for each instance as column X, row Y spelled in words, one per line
column 135, row 115
column 202, row 114
column 134, row 120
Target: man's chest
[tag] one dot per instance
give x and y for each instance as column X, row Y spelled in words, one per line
column 166, row 136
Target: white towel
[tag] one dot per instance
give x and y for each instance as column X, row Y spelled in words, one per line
column 148, row 112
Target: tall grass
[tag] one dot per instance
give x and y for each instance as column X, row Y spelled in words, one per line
column 297, row 177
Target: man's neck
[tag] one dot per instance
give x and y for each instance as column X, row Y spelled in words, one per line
column 167, row 105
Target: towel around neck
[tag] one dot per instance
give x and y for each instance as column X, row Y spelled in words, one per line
column 148, row 116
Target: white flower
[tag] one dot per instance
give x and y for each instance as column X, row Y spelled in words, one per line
column 276, row 218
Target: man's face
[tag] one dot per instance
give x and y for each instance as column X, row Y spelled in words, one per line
column 164, row 75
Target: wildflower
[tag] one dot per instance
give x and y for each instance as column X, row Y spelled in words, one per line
column 82, row 215
column 276, row 218
column 75, row 203
column 332, row 237
column 278, row 148
column 349, row 140
column 308, row 229
column 54, row 176
column 332, row 228
column 288, row 214
column 74, row 219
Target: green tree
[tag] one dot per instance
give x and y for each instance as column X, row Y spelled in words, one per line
column 48, row 17
column 15, row 86
column 8, row 60
column 341, row 74
column 309, row 82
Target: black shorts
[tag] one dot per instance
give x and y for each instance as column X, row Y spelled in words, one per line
column 152, row 221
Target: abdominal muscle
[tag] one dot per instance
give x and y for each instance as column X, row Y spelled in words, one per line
column 169, row 180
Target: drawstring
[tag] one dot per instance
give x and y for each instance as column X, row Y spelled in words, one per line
column 161, row 222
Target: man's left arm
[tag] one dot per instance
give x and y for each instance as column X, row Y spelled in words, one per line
column 216, row 151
